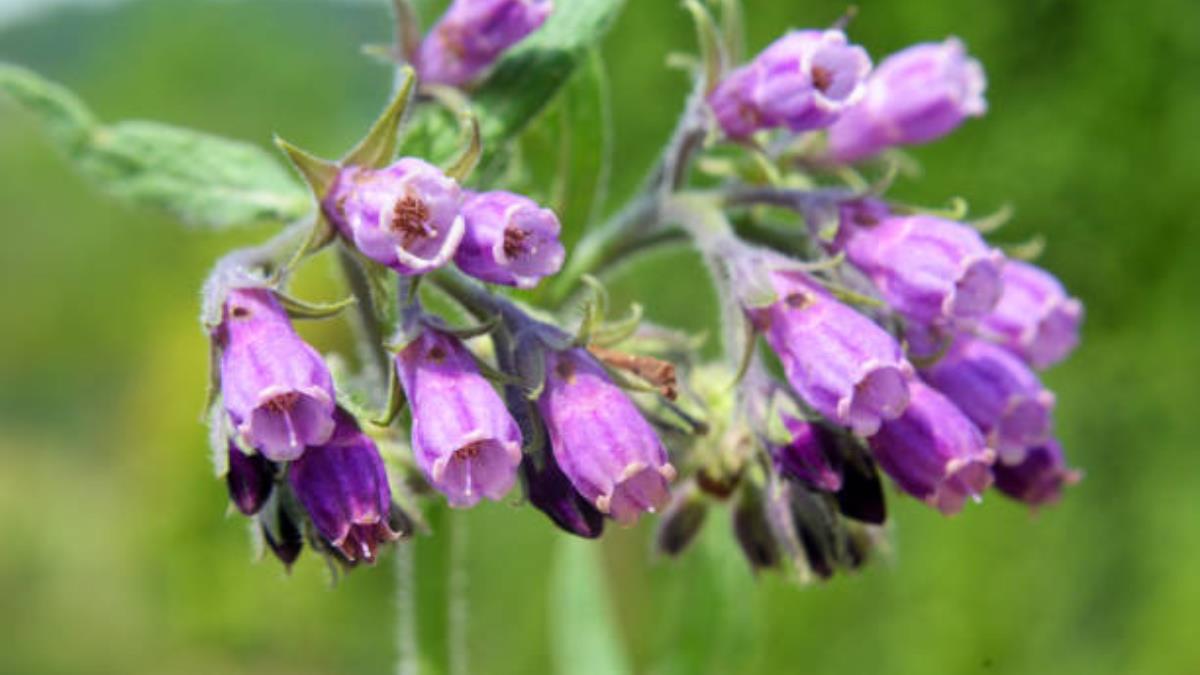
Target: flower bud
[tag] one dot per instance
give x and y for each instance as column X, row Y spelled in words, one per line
column 681, row 521
column 934, row 452
column 344, row 488
column 931, row 270
column 915, row 96
column 998, row 392
column 732, row 103
column 508, row 240
column 1035, row 317
column 808, row 78
column 861, row 495
column 1039, row 478
column 405, row 216
column 276, row 388
column 250, row 479
column 840, row 362
column 282, row 534
column 810, row 456
column 602, row 443
column 753, row 532
column 463, row 438
column 472, row 34
column 549, row 490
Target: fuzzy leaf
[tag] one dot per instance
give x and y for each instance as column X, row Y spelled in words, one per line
column 201, row 179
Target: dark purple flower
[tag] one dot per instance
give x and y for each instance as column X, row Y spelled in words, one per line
column 915, row 96
column 681, row 521
column 276, row 388
column 931, row 270
column 472, row 34
column 808, row 78
column 840, row 362
column 464, row 439
column 344, row 488
column 250, row 479
column 549, row 490
column 405, row 216
column 1035, row 317
column 810, row 456
column 934, row 452
column 605, row 447
column 1039, row 478
column 509, row 239
column 998, row 392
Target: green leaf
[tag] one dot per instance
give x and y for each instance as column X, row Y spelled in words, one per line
column 583, row 632
column 201, row 179
column 522, row 85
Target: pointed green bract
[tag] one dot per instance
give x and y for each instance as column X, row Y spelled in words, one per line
column 317, row 172
column 377, row 149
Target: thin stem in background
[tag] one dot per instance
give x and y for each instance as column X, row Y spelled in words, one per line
column 407, row 658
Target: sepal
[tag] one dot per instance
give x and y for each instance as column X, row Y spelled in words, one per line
column 378, row 147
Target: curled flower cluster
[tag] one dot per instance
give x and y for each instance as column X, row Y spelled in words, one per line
column 894, row 340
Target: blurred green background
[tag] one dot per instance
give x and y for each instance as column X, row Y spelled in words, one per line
column 116, row 553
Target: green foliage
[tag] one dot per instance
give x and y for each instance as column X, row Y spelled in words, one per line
column 199, row 178
column 523, row 83
column 584, row 635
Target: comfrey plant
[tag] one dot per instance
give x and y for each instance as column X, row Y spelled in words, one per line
column 862, row 337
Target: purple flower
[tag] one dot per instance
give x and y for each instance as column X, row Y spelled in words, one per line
column 840, row 362
column 250, row 479
column 405, row 216
column 344, row 488
column 509, row 239
column 463, row 438
column 472, row 34
column 803, row 81
column 808, row 78
column 915, row 96
column 998, row 392
column 931, row 270
column 276, row 388
column 549, row 490
column 1035, row 317
column 810, row 456
column 732, row 103
column 602, row 443
column 934, row 452
column 1039, row 478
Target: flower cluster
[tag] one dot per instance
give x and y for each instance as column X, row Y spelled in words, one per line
column 866, row 337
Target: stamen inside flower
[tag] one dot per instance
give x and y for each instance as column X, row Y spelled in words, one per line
column 516, row 242
column 410, row 219
column 822, row 78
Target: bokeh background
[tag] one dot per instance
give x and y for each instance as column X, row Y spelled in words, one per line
column 116, row 552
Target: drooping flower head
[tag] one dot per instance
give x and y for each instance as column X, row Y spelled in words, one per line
column 405, row 216
column 276, row 388
column 343, row 486
column 915, row 96
column 803, row 80
column 840, row 362
column 551, row 492
column 509, row 239
column 998, row 392
column 808, row 78
column 472, row 34
column 250, row 480
column 810, row 456
column 463, row 438
column 931, row 270
column 601, row 441
column 934, row 452
column 1035, row 317
column 1038, row 479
